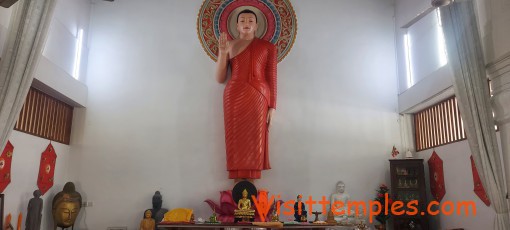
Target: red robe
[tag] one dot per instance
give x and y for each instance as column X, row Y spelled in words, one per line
column 248, row 95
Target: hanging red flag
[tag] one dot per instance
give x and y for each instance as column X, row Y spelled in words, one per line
column 436, row 173
column 479, row 190
column 5, row 166
column 47, row 169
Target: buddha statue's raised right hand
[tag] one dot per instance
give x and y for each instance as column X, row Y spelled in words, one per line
column 222, row 43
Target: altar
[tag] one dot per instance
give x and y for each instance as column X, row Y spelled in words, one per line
column 249, row 226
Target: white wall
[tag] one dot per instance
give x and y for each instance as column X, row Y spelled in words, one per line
column 56, row 67
column 406, row 11
column 51, row 76
column 154, row 118
column 459, row 186
column 69, row 17
column 24, row 171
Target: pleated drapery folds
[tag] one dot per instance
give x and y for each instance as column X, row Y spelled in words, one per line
column 248, row 95
column 466, row 58
column 27, row 35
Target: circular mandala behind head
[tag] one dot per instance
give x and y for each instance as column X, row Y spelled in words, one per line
column 276, row 19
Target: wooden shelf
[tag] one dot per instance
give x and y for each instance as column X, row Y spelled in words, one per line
column 406, row 189
column 416, row 167
column 247, row 226
column 407, row 176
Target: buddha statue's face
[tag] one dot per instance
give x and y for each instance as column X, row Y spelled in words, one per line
column 157, row 204
column 66, row 213
column 247, row 23
column 245, row 194
column 148, row 214
column 340, row 187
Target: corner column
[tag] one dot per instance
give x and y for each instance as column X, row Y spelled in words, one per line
column 499, row 74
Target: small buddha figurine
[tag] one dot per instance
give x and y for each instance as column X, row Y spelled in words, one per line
column 213, row 218
column 299, row 206
column 244, row 203
column 158, row 213
column 244, row 210
column 147, row 223
column 275, row 217
column 331, row 218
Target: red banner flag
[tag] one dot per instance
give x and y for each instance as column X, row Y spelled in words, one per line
column 5, row 166
column 479, row 190
column 436, row 173
column 47, row 169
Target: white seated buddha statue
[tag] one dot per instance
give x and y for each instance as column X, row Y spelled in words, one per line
column 340, row 203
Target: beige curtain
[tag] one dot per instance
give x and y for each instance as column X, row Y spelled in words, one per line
column 27, row 34
column 471, row 88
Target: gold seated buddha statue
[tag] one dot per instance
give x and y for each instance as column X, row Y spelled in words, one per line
column 244, row 210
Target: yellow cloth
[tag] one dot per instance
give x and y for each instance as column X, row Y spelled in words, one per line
column 178, row 215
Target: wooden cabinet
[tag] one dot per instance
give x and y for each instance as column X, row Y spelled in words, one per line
column 408, row 185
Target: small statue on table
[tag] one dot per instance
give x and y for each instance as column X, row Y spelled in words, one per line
column 339, row 204
column 34, row 212
column 213, row 219
column 147, row 223
column 158, row 213
column 331, row 218
column 300, row 213
column 274, row 216
column 244, row 210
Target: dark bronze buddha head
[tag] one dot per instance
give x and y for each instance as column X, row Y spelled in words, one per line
column 157, row 201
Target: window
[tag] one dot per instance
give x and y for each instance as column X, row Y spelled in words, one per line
column 46, row 117
column 438, row 125
column 425, row 48
column 78, row 51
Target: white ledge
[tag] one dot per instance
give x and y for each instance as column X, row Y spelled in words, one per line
column 52, row 80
